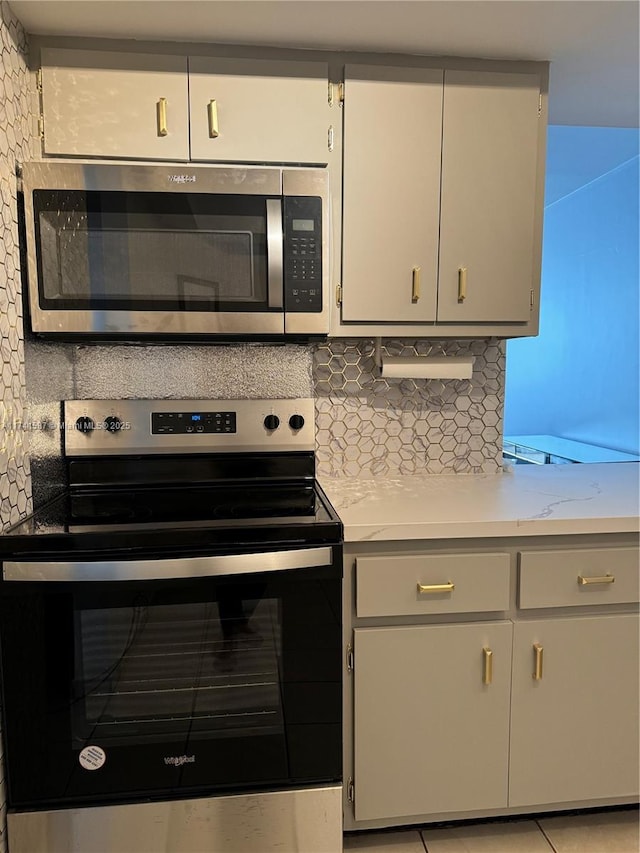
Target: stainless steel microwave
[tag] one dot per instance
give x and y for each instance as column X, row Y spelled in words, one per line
column 138, row 251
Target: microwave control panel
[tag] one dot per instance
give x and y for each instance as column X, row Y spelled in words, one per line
column 302, row 254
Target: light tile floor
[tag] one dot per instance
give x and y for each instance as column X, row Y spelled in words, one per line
column 590, row 832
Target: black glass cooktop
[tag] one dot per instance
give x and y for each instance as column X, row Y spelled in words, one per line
column 235, row 504
column 175, row 519
column 180, row 504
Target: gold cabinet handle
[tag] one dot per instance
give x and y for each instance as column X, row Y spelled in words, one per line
column 212, row 113
column 487, row 665
column 462, row 284
column 415, row 284
column 425, row 589
column 602, row 579
column 537, row 660
column 161, row 114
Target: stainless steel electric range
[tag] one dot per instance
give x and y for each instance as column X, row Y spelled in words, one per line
column 171, row 642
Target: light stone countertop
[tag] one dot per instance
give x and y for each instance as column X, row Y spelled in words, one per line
column 526, row 500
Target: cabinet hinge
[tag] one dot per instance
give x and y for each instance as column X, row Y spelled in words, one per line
column 532, row 299
column 336, row 94
column 540, row 104
column 351, row 790
column 330, row 138
column 39, row 79
column 41, row 127
column 338, row 294
column 350, row 661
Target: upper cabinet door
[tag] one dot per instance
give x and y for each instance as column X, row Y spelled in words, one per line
column 256, row 111
column 489, row 163
column 391, row 198
column 103, row 104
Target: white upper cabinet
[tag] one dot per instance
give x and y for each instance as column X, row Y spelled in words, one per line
column 391, row 193
column 104, row 104
column 255, row 111
column 489, row 164
column 441, row 176
column 147, row 106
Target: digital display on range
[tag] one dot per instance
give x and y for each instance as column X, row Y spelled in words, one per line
column 185, row 423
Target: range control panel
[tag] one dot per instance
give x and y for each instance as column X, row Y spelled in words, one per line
column 184, row 423
column 125, row 427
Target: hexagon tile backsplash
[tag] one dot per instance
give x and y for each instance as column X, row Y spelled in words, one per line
column 369, row 426
column 15, row 145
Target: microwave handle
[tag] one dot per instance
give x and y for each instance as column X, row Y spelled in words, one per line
column 275, row 264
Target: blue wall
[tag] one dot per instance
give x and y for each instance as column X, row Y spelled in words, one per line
column 579, row 378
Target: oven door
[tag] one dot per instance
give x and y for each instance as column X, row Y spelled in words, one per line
column 155, row 250
column 202, row 674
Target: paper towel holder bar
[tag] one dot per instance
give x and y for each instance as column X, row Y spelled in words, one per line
column 423, row 366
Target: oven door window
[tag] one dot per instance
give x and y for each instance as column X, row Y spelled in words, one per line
column 169, row 672
column 137, row 251
column 164, row 688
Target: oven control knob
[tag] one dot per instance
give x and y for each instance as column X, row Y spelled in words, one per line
column 85, row 424
column 296, row 422
column 112, row 423
column 271, row 422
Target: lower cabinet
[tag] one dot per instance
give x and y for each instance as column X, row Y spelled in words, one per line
column 574, row 726
column 431, row 718
column 503, row 709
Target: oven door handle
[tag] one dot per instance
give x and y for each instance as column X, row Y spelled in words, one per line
column 275, row 262
column 185, row 567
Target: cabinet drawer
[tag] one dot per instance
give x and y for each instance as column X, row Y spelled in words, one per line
column 577, row 577
column 388, row 586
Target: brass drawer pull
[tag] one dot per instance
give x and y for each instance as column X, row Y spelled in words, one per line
column 415, row 284
column 161, row 115
column 537, row 653
column 602, row 579
column 425, row 589
column 212, row 113
column 462, row 284
column 487, row 668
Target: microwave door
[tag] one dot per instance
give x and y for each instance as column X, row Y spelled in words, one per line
column 135, row 264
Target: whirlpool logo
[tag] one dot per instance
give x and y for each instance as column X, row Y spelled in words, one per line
column 179, row 760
